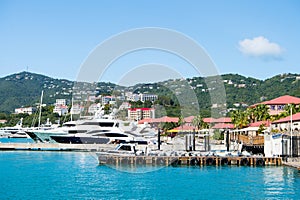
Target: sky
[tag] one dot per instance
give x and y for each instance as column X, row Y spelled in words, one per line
column 253, row 38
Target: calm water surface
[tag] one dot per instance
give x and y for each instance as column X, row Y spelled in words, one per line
column 73, row 175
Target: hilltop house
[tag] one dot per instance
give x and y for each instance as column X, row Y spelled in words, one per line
column 60, row 107
column 28, row 110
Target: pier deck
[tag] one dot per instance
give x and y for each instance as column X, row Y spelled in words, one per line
column 293, row 162
column 54, row 147
column 294, row 165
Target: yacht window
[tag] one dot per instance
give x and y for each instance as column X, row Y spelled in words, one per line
column 102, row 124
column 76, row 131
column 106, row 124
column 110, row 134
column 69, row 125
column 97, row 131
column 91, row 123
column 125, row 148
column 115, row 135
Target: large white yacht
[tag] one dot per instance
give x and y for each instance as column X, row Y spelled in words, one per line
column 104, row 135
column 73, row 127
column 101, row 129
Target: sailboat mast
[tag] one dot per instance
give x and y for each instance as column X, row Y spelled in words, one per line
column 72, row 110
column 291, row 131
column 40, row 114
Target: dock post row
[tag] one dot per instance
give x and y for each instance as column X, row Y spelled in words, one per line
column 189, row 161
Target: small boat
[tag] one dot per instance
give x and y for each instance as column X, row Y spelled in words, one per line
column 122, row 150
column 16, row 131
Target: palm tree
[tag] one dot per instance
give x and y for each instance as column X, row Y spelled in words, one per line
column 289, row 107
column 198, row 122
column 165, row 126
column 251, row 114
column 181, row 121
column 239, row 118
column 287, row 111
column 261, row 128
column 261, row 112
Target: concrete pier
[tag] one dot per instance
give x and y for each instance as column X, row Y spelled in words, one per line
column 292, row 162
column 55, row 147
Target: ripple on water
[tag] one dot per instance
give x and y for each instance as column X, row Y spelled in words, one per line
column 70, row 175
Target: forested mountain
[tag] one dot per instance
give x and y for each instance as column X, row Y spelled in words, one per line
column 24, row 89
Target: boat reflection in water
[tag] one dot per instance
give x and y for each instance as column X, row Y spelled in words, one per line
column 274, row 181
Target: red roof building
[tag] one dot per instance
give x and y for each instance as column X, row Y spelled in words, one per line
column 285, row 123
column 295, row 117
column 136, row 114
column 159, row 120
column 189, row 119
column 218, row 120
column 257, row 124
column 223, row 126
column 277, row 105
column 184, row 128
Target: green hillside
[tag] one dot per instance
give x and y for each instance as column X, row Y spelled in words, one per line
column 24, row 89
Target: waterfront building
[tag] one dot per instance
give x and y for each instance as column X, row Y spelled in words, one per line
column 281, row 145
column 156, row 121
column 219, row 123
column 284, row 124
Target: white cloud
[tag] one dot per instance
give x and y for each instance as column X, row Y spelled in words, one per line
column 260, row 47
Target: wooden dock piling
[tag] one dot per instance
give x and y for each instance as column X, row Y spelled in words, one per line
column 189, row 160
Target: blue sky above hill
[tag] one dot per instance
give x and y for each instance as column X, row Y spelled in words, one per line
column 252, row 38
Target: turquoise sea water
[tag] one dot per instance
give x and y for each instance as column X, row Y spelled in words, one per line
column 75, row 175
